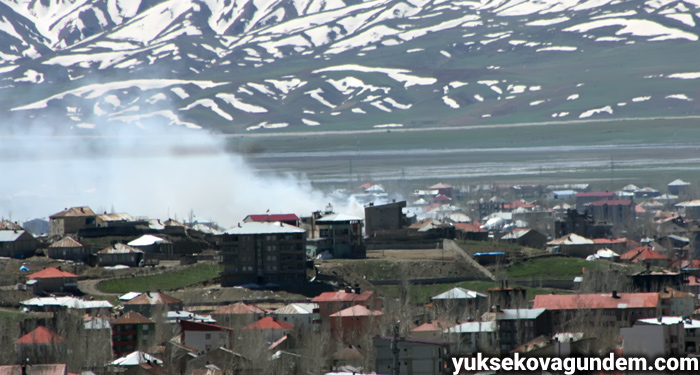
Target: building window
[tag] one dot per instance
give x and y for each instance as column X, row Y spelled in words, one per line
column 207, row 337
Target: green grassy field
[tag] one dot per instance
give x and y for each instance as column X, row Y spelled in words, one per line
column 556, row 268
column 164, row 281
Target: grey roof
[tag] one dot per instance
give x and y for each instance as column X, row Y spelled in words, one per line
column 296, row 309
column 459, row 293
column 264, row 228
column 473, row 327
column 10, row 235
column 514, row 314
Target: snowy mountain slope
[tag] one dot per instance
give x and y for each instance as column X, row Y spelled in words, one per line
column 247, row 66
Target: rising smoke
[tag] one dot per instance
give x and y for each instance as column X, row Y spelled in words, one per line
column 150, row 171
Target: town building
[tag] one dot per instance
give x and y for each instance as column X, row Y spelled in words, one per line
column 16, row 243
column 332, row 302
column 119, row 254
column 71, row 220
column 526, row 237
column 474, row 336
column 52, row 279
column 238, row 314
column 130, row 332
column 580, row 311
column 150, row 303
column 515, row 327
column 269, row 328
column 68, row 248
column 40, row 346
column 260, row 252
column 385, row 217
column 204, row 337
column 338, row 234
column 304, row 316
column 416, row 356
column 459, row 301
column 350, row 324
column 289, row 219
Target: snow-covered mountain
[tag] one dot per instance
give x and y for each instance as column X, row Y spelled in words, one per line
column 254, row 65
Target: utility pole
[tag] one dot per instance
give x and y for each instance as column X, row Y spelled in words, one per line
column 395, row 349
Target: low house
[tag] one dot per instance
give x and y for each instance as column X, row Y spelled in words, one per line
column 147, row 303
column 269, row 328
column 618, row 245
column 349, row 325
column 119, row 254
column 150, row 244
column 332, row 302
column 459, row 301
column 71, row 220
column 304, row 316
column 41, row 345
column 678, row 187
column 52, row 279
column 526, row 237
column 434, row 330
column 237, row 315
column 471, row 232
column 645, row 255
column 474, row 336
column 69, row 248
column 655, row 337
column 203, row 337
column 17, row 244
column 61, row 303
column 132, row 331
column 113, row 219
column 573, row 245
column 416, row 356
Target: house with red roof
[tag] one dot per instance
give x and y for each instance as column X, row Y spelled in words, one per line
column 434, row 330
column 269, row 328
column 352, row 323
column 332, row 302
column 204, row 337
column 238, row 314
column 645, row 255
column 472, row 232
column 52, row 279
column 41, row 345
column 443, row 189
column 582, row 198
column 148, row 302
column 291, row 219
column 598, row 309
column 618, row 245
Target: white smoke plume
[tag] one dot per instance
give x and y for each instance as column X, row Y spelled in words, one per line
column 154, row 171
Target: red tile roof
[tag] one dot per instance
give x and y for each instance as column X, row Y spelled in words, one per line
column 152, row 298
column 441, row 185
column 274, row 217
column 342, row 297
column 357, row 310
column 609, row 240
column 466, row 227
column 595, row 194
column 641, row 254
column 435, row 325
column 50, row 273
column 596, row 301
column 239, row 308
column 611, row 202
column 188, row 325
column 268, row 323
column 41, row 335
column 132, row 317
column 442, row 198
column 685, row 263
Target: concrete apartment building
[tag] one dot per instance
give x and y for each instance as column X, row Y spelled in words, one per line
column 261, row 252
